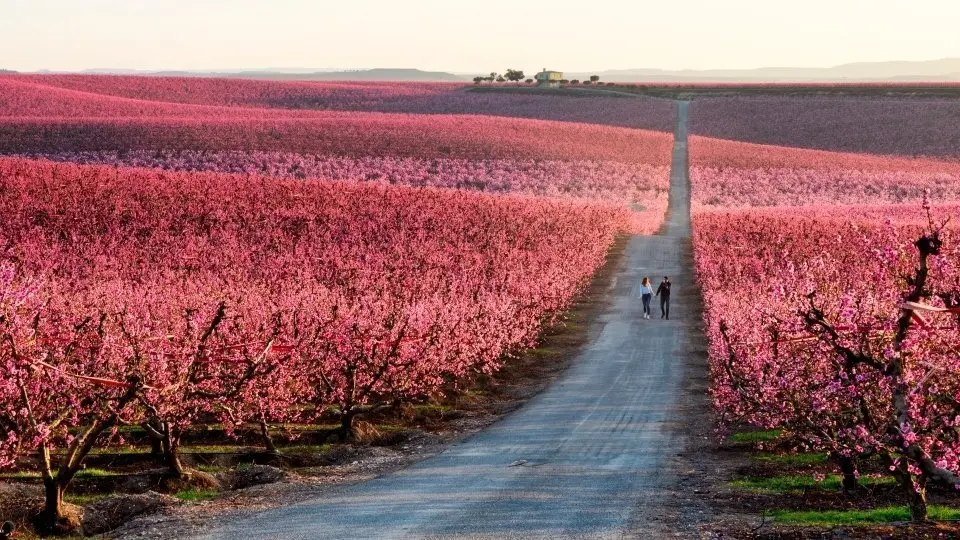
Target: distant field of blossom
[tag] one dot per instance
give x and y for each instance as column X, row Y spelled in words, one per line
column 871, row 125
column 85, row 96
column 734, row 174
column 642, row 187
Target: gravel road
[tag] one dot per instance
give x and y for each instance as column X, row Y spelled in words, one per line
column 587, row 458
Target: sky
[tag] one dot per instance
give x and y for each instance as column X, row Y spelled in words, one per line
column 471, row 36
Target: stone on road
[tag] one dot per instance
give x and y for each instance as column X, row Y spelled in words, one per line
column 586, row 458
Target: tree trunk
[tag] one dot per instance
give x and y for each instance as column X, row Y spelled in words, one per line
column 918, row 500
column 156, row 448
column 157, row 433
column 346, row 425
column 848, row 470
column 49, row 521
column 171, row 454
column 268, row 444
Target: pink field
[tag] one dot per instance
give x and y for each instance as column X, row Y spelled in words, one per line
column 642, row 187
column 343, row 133
column 880, row 125
column 331, row 273
column 733, row 174
column 238, row 92
column 127, row 96
column 227, row 125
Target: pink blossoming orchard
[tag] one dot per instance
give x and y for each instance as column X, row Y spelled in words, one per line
column 190, row 255
column 833, row 315
column 170, row 265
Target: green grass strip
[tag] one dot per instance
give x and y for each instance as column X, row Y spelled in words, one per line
column 890, row 514
column 753, row 437
column 792, row 459
column 795, row 483
column 82, row 473
column 196, row 495
column 83, row 500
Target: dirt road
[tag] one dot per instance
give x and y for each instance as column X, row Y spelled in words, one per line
column 586, row 458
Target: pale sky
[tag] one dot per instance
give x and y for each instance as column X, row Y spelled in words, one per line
column 471, row 35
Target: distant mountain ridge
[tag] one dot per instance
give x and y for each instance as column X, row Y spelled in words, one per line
column 943, row 70
column 946, row 69
column 301, row 74
column 377, row 74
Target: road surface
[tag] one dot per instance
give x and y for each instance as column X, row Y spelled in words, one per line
column 583, row 459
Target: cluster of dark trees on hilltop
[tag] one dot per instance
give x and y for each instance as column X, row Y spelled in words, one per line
column 512, row 75
column 516, row 75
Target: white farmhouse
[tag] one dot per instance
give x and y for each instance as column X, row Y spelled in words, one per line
column 549, row 78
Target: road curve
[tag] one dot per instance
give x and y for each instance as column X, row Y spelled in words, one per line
column 583, row 459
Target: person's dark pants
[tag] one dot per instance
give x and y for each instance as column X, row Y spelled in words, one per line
column 664, row 306
column 646, row 303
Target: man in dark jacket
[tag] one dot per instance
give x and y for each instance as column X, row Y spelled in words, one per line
column 663, row 291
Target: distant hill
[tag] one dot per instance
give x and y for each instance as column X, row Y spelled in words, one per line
column 194, row 72
column 947, row 69
column 7, row 71
column 379, row 74
column 301, row 74
column 944, row 70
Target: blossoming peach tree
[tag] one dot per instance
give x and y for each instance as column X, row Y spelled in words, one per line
column 858, row 354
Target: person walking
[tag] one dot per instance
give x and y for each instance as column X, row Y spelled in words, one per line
column 663, row 291
column 646, row 294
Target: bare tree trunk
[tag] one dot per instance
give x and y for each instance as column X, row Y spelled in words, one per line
column 914, row 488
column 918, row 499
column 156, row 448
column 48, row 522
column 268, row 443
column 53, row 519
column 171, row 453
column 346, row 425
column 166, row 446
column 848, row 471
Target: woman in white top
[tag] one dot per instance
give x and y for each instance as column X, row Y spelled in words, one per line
column 646, row 294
